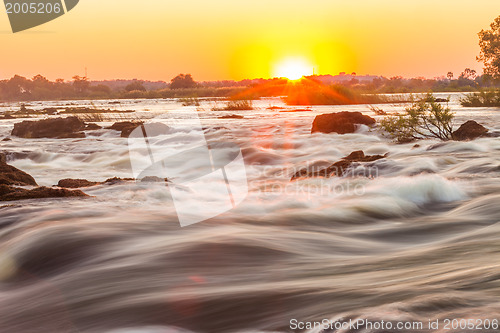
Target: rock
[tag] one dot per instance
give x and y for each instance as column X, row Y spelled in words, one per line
column 126, row 127
column 340, row 122
column 79, row 183
column 11, row 193
column 7, row 139
column 339, row 168
column 92, row 127
column 441, row 100
column 469, row 130
column 7, row 116
column 10, row 175
column 359, row 156
column 76, row 183
column 232, row 116
column 153, row 179
column 59, row 128
column 116, row 180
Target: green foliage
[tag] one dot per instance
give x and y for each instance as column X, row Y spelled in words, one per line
column 424, row 118
column 489, row 42
column 482, row 98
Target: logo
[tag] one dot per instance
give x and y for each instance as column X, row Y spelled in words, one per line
column 204, row 180
column 27, row 14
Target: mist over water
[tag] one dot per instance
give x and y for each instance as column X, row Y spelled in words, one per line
column 414, row 238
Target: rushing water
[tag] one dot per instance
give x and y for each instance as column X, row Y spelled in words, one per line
column 416, row 239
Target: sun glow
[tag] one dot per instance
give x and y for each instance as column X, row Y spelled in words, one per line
column 293, row 68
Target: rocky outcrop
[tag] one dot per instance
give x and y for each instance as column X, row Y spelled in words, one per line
column 469, row 130
column 340, row 122
column 81, row 183
column 338, row 169
column 92, row 127
column 11, row 193
column 75, row 183
column 10, row 175
column 59, row 128
column 125, row 127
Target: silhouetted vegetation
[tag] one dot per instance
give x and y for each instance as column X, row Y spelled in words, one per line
column 182, row 81
column 482, row 98
column 135, row 86
column 313, row 90
column 424, row 118
column 489, row 42
column 236, row 105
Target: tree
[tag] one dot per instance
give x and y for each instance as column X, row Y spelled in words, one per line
column 489, row 42
column 424, row 118
column 449, row 76
column 81, row 84
column 468, row 74
column 135, row 86
column 182, row 81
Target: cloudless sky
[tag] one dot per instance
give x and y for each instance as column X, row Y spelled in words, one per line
column 237, row 39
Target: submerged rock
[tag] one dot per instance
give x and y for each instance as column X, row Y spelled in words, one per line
column 231, row 116
column 125, row 127
column 338, row 169
column 469, row 130
column 59, row 128
column 10, row 175
column 11, row 193
column 340, row 122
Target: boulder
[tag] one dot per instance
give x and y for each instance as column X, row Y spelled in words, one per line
column 338, row 169
column 340, row 122
column 92, row 127
column 10, row 175
column 11, row 193
column 59, row 128
column 469, row 130
column 125, row 127
column 75, row 183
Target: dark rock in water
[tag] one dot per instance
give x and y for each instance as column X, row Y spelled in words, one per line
column 359, row 156
column 441, row 100
column 338, row 169
column 232, row 116
column 92, row 127
column 7, row 116
column 340, row 122
column 59, row 128
column 11, row 193
column 7, row 139
column 153, row 179
column 80, row 183
column 76, row 183
column 126, row 127
column 116, row 180
column 10, row 175
column 469, row 130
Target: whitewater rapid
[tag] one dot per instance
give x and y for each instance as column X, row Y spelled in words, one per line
column 414, row 238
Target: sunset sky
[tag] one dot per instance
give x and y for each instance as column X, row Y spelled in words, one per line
column 238, row 39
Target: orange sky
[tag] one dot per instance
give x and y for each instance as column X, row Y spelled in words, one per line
column 237, row 39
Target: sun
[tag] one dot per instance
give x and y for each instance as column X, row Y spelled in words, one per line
column 293, row 68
